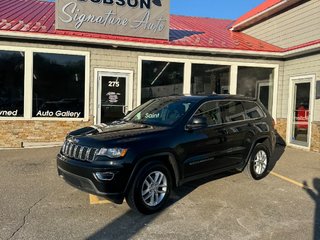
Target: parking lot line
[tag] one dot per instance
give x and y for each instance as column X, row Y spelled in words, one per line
column 289, row 180
column 95, row 200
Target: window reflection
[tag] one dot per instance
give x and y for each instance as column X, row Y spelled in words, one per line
column 232, row 111
column 161, row 79
column 211, row 111
column 207, row 79
column 257, row 83
column 11, row 84
column 58, row 85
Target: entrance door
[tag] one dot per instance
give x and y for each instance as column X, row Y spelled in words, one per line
column 113, row 96
column 300, row 111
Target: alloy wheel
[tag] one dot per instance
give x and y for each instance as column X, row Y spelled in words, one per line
column 260, row 162
column 154, row 188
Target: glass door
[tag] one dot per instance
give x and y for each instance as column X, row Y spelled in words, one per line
column 113, row 100
column 300, row 124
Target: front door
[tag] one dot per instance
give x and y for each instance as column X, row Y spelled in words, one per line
column 113, row 96
column 300, row 111
column 221, row 143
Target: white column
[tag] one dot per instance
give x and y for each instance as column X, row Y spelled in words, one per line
column 233, row 79
column 187, row 78
column 28, row 80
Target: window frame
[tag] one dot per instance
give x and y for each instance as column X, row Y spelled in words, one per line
column 234, row 65
column 233, row 122
column 28, row 82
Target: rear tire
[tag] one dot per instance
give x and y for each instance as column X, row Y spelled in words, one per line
column 258, row 164
column 151, row 189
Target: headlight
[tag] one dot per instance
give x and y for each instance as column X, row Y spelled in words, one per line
column 113, row 152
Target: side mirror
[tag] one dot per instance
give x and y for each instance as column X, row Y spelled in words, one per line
column 197, row 122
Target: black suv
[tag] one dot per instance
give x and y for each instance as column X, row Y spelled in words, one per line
column 165, row 143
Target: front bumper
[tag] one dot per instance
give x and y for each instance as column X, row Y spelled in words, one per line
column 82, row 175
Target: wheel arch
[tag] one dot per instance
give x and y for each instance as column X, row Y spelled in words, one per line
column 166, row 158
column 260, row 140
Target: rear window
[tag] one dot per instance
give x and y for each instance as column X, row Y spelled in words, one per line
column 252, row 110
column 232, row 111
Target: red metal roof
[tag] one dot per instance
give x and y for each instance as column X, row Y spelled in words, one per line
column 38, row 17
column 262, row 7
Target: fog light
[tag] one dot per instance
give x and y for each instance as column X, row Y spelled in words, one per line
column 105, row 176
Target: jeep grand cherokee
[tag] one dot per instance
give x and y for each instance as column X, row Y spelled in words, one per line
column 166, row 142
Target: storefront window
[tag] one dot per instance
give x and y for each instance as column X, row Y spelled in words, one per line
column 257, row 83
column 161, row 79
column 209, row 79
column 11, row 84
column 58, row 85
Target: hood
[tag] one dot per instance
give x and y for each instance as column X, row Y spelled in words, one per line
column 115, row 131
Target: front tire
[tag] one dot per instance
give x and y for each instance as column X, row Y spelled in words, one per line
column 151, row 189
column 258, row 164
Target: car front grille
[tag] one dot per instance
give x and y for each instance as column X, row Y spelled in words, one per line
column 78, row 152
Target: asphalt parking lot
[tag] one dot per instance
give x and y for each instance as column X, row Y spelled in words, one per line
column 36, row 204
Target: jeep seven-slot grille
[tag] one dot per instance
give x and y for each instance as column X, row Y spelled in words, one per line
column 78, row 152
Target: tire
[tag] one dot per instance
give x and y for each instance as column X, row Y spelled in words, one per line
column 151, row 189
column 258, row 164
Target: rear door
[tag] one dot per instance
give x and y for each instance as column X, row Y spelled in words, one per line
column 237, row 128
column 256, row 123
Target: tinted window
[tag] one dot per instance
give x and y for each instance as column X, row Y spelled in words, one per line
column 11, row 84
column 58, row 85
column 252, row 110
column 232, row 111
column 160, row 79
column 161, row 111
column 211, row 112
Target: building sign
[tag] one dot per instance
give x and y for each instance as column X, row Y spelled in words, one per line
column 113, row 91
column 58, row 113
column 6, row 113
column 137, row 18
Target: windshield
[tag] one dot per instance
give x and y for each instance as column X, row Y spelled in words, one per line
column 162, row 112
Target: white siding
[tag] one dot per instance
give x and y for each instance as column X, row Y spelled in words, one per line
column 293, row 27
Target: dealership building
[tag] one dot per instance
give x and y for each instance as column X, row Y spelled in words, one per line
column 73, row 63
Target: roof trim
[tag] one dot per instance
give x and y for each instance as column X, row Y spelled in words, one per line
column 290, row 52
column 262, row 15
column 137, row 45
column 313, row 46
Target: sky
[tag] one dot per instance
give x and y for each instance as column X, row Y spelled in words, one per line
column 225, row 9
